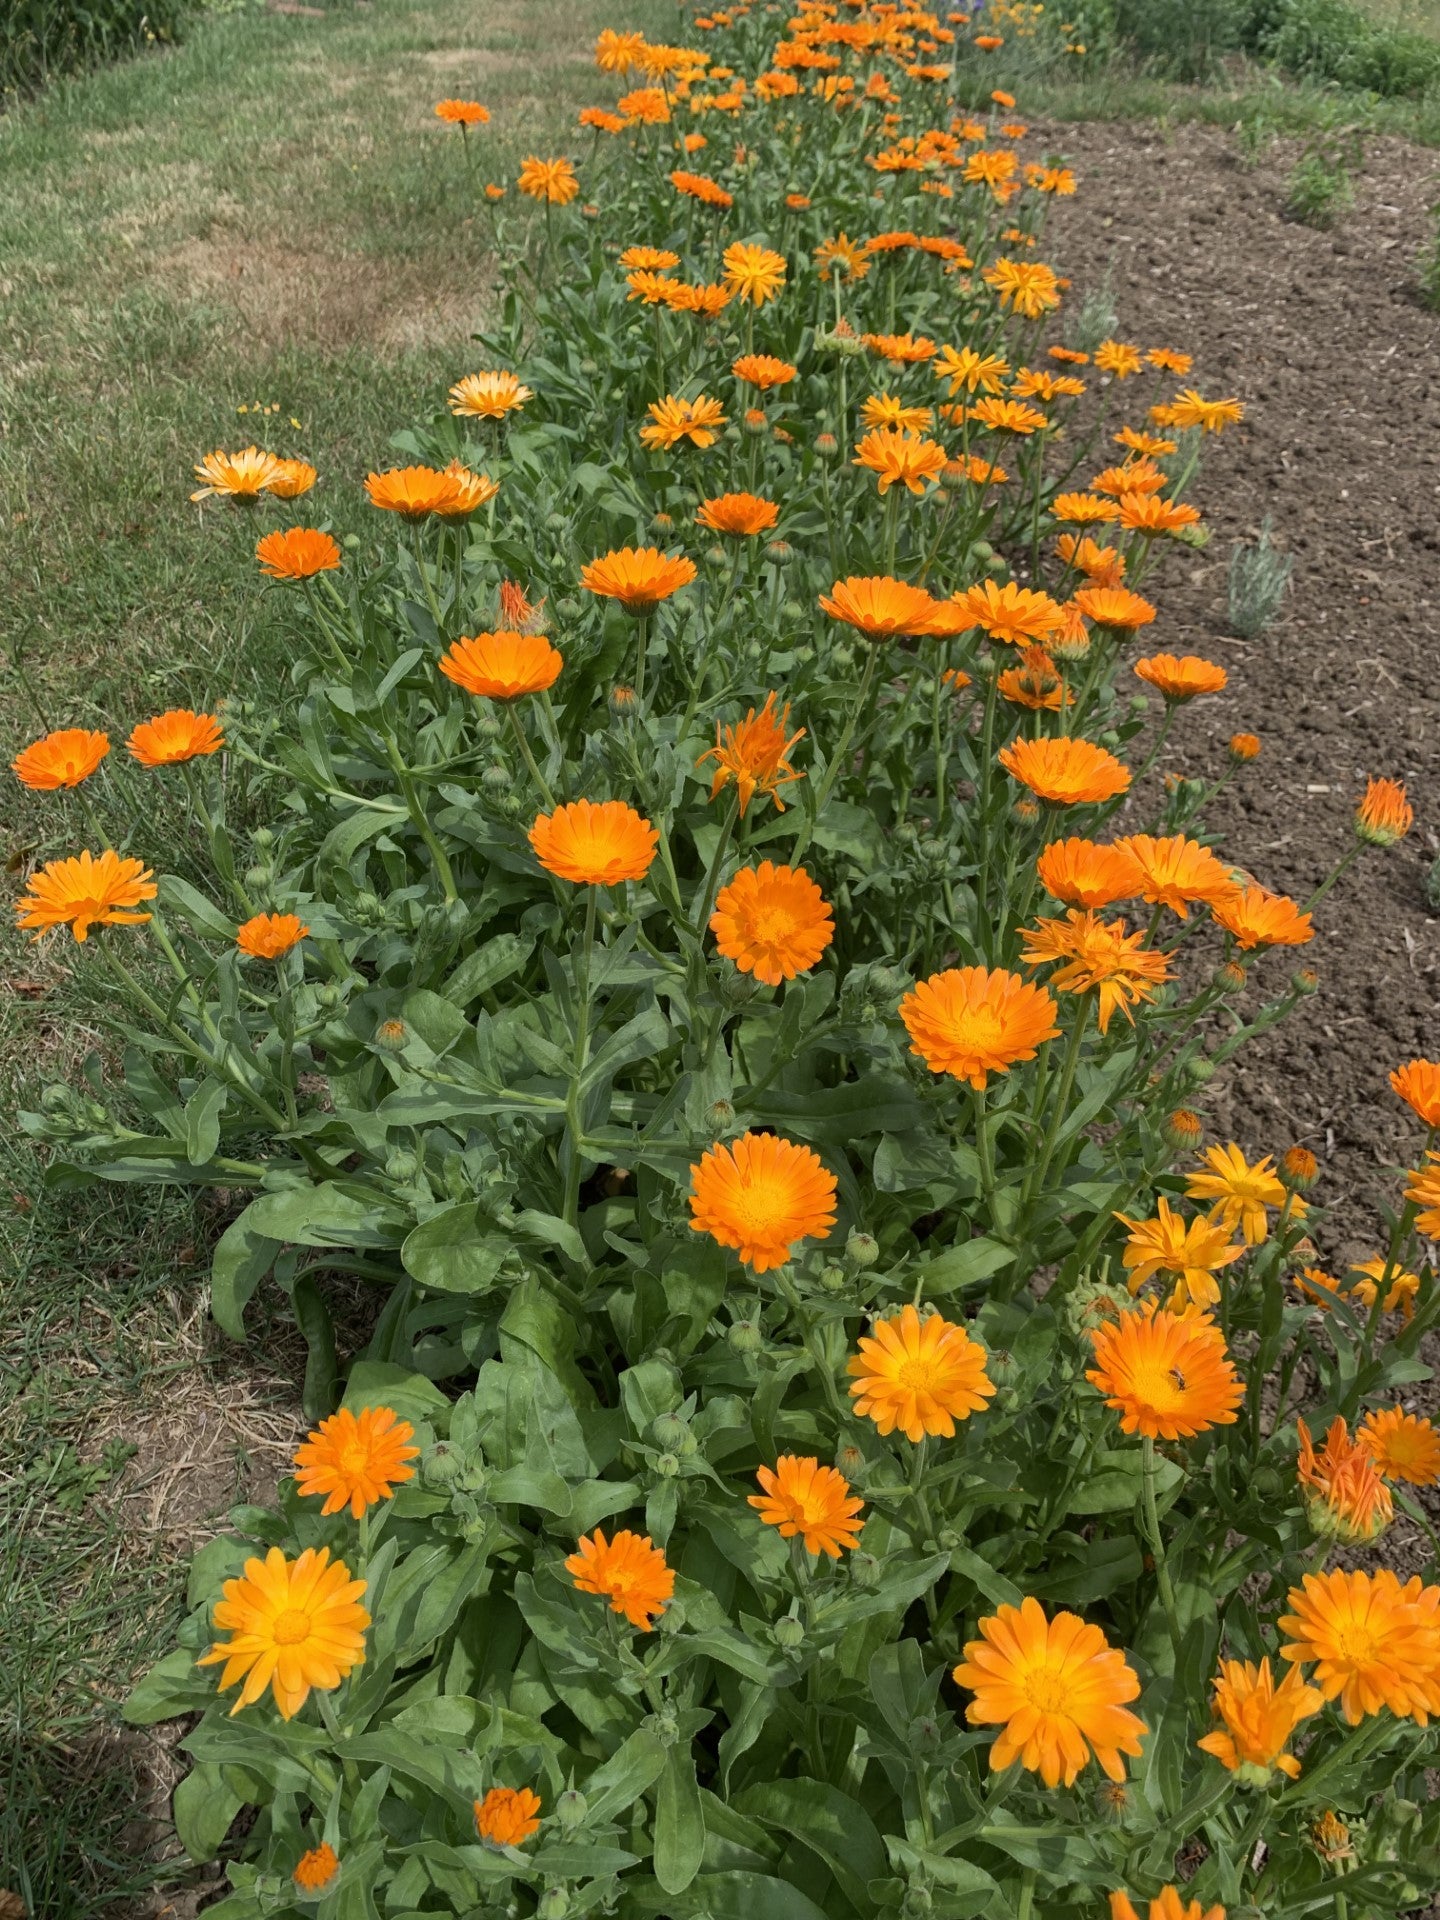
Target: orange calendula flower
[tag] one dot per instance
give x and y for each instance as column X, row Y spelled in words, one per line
column 638, row 577
column 1418, row 1085
column 507, row 1816
column 1035, row 683
column 764, row 371
column 1401, row 1288
column 971, row 1022
column 754, row 753
column 1188, row 409
column 1135, row 476
column 888, row 410
column 1018, row 614
column 762, row 1196
column 1119, row 358
column 963, row 367
column 488, row 396
column 901, row 349
column 1260, row 919
column 773, row 922
column 552, row 181
column 356, row 1460
column 1088, row 873
column 1099, row 956
column 1178, row 873
column 295, row 1624
column 1168, row 1375
column 1114, row 607
column 1349, row 1499
column 61, row 759
column 879, row 607
column 1383, row 815
column 1239, row 1192
column 1057, row 1689
column 83, row 892
column 699, row 186
column 1026, row 287
column 1083, row 509
column 809, row 1502
column 741, row 515
column 299, row 553
column 1168, row 1905
column 1182, row 677
column 1374, row 1643
column 174, row 737
column 754, row 273
column 843, row 256
column 316, row 1870
column 672, row 421
column 1148, row 515
column 1423, row 1193
column 918, row 1374
column 594, row 843
column 462, row 113
column 241, row 477
column 268, row 936
column 655, row 289
column 1259, row 1720
column 502, row 665
column 649, row 259
column 1189, row 1252
column 1064, row 771
column 412, row 492
column 906, row 459
column 630, row 1572
column 1008, row 416
column 291, row 478
column 1404, row 1446
column 472, row 491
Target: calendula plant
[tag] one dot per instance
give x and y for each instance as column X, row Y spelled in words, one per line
column 830, row 1442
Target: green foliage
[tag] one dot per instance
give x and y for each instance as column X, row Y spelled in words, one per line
column 39, row 38
column 1259, row 579
column 1332, row 40
column 1321, row 188
column 1428, row 265
column 484, row 1091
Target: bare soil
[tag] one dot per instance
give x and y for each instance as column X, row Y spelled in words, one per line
column 1324, row 338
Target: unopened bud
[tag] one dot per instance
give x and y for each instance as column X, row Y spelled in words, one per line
column 553, row 1904
column 1199, row 1069
column 788, row 1634
column 780, row 552
column 850, row 1462
column 826, row 445
column 746, row 1338
column 667, row 1466
column 1244, row 746
column 865, row 1569
column 572, row 1810
column 1305, row 980
column 622, row 700
column 670, row 1432
column 1298, row 1169
column 720, row 1117
column 391, row 1035
column 496, row 778
column 755, row 421
column 862, row 1250
column 1230, row 977
column 1184, row 1129
column 441, row 1465
column 834, row 1279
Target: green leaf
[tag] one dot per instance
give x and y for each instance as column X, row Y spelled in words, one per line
column 204, row 1805
column 325, row 1216
column 178, row 896
column 173, row 1686
column 751, row 1896
column 379, row 1383
column 679, row 1822
column 963, row 1265
column 1117, row 1480
column 617, row 1785
column 453, row 1253
column 830, row 1823
column 500, row 957
column 243, row 1256
column 202, row 1122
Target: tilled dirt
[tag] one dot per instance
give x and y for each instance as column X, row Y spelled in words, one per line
column 1324, row 338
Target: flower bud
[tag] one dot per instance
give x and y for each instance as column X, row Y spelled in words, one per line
column 667, row 1466
column 622, row 701
column 391, row 1036
column 792, row 614
column 1184, row 1129
column 850, row 1462
column 826, row 445
column 1112, row 1802
column 1230, row 977
column 865, row 1569
column 258, row 878
column 663, row 522
column 262, row 840
column 1305, row 980
column 670, row 1433
column 401, row 1164
column 441, row 1465
column 746, row 1338
column 788, row 1634
column 351, row 542
column 862, row 1250
column 719, row 1117
column 755, row 421
column 834, row 1279
column 572, row 1810
column 924, row 1734
column 553, row 1904
column 485, row 724
column 1244, row 746
column 779, row 552
column 1298, row 1169
column 917, row 1903
column 1002, row 1367
column 496, row 778
column 1199, row 1070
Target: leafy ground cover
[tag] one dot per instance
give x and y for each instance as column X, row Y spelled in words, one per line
column 81, row 1479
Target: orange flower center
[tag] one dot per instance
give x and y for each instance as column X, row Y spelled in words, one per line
column 291, row 1627
column 1046, row 1689
column 1158, row 1386
column 918, row 1376
column 354, row 1457
column 1358, row 1644
column 760, row 1203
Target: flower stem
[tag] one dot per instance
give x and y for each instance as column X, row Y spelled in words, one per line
column 1157, row 1545
column 571, row 1207
column 528, row 756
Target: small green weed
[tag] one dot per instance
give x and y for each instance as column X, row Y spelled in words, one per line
column 1321, row 188
column 1259, row 580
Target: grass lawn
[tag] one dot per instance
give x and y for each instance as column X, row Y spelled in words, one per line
column 270, row 216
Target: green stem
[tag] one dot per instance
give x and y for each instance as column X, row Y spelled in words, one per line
column 1157, row 1545
column 528, row 756
column 417, row 818
column 571, row 1207
column 832, row 772
column 1058, row 1108
column 712, row 877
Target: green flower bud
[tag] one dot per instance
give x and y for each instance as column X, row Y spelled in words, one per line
column 862, row 1250
column 719, row 1117
column 850, row 1462
column 351, row 543
column 392, row 1036
column 792, row 614
column 670, row 1433
column 667, row 1466
column 917, row 1903
column 401, row 1164
column 1002, row 1367
column 258, row 878
column 864, row 1569
column 788, row 1634
column 441, row 1465
column 745, row 1337
column 572, row 1810
column 1305, row 980
column 496, row 778
column 925, row 1734
column 834, row 1279
column 1199, row 1070
column 329, row 996
column 553, row 1904
column 485, row 724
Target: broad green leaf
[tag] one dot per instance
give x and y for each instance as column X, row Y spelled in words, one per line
column 453, row 1253
column 242, row 1258
column 204, row 1805
column 679, row 1822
